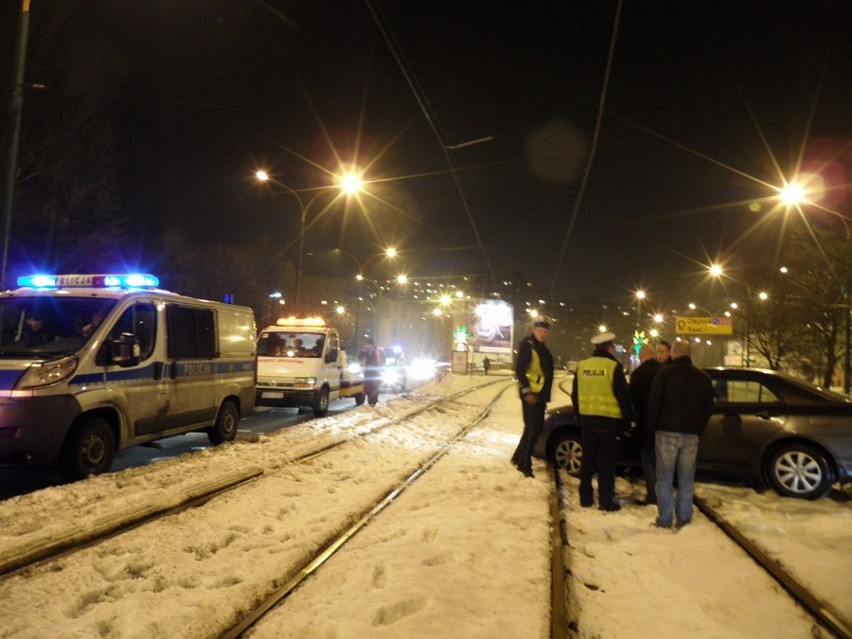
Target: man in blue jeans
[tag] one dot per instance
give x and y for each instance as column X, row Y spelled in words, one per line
column 679, row 407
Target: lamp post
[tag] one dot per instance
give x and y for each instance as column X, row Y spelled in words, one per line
column 717, row 271
column 388, row 252
column 810, row 189
column 640, row 295
column 349, row 184
column 15, row 119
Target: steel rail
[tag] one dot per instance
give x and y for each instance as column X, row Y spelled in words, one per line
column 76, row 541
column 823, row 612
column 558, row 543
column 333, row 545
column 80, row 540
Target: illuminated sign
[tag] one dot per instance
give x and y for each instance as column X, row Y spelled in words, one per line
column 704, row 326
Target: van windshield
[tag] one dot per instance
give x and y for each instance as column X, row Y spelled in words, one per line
column 48, row 327
column 290, row 344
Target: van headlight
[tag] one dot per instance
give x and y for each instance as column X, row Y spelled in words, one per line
column 47, row 373
column 305, row 382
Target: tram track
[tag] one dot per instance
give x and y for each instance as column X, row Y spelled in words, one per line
column 825, row 614
column 823, row 611
column 29, row 556
column 337, row 542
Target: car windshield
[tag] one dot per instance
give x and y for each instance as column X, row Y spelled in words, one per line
column 393, row 356
column 48, row 327
column 290, row 344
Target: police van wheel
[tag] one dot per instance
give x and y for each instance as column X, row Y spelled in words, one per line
column 321, row 403
column 359, row 398
column 89, row 450
column 225, row 428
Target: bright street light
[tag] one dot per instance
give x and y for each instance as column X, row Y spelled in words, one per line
column 792, row 194
column 351, row 183
column 346, row 184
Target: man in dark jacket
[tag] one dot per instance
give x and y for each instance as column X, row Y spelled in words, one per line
column 371, row 359
column 601, row 400
column 640, row 390
column 534, row 371
column 678, row 410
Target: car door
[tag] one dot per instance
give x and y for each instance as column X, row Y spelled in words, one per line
column 139, row 389
column 191, row 351
column 745, row 415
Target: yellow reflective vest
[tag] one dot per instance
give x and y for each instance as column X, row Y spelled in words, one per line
column 535, row 376
column 594, row 388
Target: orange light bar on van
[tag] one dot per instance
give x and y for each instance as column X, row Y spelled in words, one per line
column 300, row 321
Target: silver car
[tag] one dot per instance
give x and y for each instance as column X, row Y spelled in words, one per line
column 765, row 426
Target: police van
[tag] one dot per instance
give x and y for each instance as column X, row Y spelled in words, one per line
column 301, row 362
column 94, row 364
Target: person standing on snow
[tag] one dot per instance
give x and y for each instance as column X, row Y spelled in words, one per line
column 679, row 408
column 640, row 390
column 534, row 371
column 371, row 360
column 601, row 400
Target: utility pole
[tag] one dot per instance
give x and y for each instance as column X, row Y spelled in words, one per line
column 15, row 125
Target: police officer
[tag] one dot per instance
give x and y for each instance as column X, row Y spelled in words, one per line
column 534, row 371
column 602, row 403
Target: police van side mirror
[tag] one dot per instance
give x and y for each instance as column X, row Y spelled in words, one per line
column 125, row 350
column 331, row 356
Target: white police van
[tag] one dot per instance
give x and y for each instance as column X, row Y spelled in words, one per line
column 301, row 362
column 94, row 364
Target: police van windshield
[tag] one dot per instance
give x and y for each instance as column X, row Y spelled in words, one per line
column 293, row 344
column 48, row 327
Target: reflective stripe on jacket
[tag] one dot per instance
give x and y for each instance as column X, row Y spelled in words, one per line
column 594, row 388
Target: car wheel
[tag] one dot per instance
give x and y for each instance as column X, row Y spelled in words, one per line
column 89, row 450
column 359, row 398
column 225, row 427
column 799, row 470
column 321, row 403
column 567, row 453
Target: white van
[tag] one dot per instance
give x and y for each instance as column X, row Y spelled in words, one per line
column 94, row 364
column 301, row 362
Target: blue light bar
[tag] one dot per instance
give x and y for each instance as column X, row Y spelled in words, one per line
column 131, row 280
column 37, row 281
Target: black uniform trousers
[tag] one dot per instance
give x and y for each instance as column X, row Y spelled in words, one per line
column 600, row 453
column 533, row 425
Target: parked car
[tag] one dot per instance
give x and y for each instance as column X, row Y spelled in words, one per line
column 393, row 372
column 765, row 426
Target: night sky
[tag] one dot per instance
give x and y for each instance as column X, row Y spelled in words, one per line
column 706, row 102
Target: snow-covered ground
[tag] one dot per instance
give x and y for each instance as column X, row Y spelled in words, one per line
column 464, row 552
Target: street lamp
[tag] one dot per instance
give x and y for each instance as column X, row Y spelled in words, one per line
column 810, row 189
column 348, row 185
column 388, row 252
column 640, row 295
column 717, row 271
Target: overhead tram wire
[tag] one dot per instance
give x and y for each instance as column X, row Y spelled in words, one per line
column 595, row 137
column 431, row 119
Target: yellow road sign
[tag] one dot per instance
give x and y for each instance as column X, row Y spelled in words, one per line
column 704, row 326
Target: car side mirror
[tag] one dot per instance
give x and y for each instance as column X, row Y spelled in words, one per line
column 125, row 350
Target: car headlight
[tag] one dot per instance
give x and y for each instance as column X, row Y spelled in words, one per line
column 390, row 376
column 305, row 382
column 47, row 373
column 354, row 369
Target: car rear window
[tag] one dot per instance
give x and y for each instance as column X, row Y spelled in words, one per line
column 740, row 391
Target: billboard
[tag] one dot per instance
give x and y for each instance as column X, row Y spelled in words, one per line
column 490, row 327
column 704, row 326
